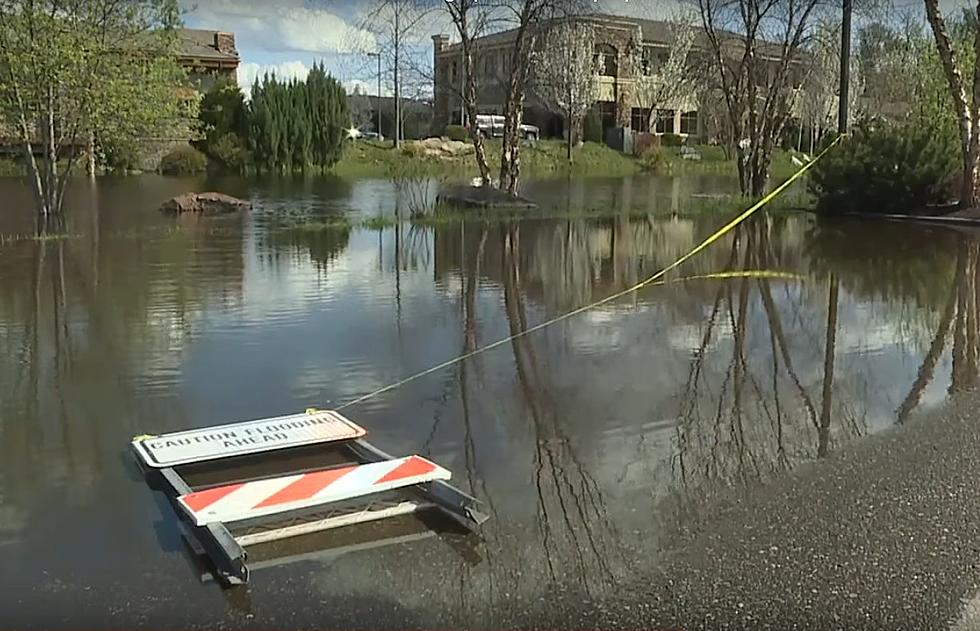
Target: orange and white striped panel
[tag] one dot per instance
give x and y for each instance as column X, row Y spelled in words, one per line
column 246, row 500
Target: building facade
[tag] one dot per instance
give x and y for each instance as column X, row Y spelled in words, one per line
column 627, row 47
column 617, row 106
column 208, row 56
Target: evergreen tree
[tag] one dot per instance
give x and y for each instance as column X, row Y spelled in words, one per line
column 295, row 125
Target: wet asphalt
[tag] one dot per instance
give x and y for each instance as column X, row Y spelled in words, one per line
column 885, row 534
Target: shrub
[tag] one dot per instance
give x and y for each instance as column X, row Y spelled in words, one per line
column 885, row 167
column 413, row 149
column 457, row 133
column 183, row 161
column 712, row 153
column 643, row 142
column 231, row 152
column 654, row 159
column 671, row 140
column 593, row 127
column 121, row 156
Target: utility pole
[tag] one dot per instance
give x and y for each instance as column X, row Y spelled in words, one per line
column 845, row 66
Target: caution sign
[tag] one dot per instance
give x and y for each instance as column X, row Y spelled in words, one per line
column 250, row 437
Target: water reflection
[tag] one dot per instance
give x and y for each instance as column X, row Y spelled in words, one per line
column 599, row 444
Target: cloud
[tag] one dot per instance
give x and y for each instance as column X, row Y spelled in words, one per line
column 282, row 26
column 249, row 72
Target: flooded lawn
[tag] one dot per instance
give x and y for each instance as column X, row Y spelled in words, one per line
column 611, row 449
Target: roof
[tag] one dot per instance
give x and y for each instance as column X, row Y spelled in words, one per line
column 652, row 32
column 200, row 44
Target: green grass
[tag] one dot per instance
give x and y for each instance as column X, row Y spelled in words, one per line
column 543, row 159
column 378, row 223
column 546, row 158
column 723, row 206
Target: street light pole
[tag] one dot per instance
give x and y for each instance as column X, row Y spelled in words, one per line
column 845, row 66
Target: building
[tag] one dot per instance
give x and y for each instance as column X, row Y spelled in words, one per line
column 208, row 56
column 617, row 106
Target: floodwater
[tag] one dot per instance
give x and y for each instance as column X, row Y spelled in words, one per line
column 604, row 447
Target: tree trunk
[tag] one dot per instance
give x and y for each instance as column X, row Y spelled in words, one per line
column 570, row 134
column 472, row 106
column 398, row 92
column 966, row 114
column 90, row 154
column 510, row 156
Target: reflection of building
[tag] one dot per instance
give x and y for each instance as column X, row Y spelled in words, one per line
column 616, row 40
column 208, row 56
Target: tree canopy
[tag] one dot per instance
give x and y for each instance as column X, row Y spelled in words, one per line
column 294, row 124
column 71, row 70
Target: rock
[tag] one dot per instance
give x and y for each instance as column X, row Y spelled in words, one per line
column 482, row 197
column 204, row 203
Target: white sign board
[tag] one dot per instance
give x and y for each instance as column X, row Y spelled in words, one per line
column 237, row 439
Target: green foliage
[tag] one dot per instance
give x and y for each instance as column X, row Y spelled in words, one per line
column 654, row 159
column 885, row 167
column 295, row 125
column 593, row 127
column 457, row 132
column 99, row 67
column 671, row 140
column 184, row 161
column 224, row 123
column 223, row 111
column 121, row 155
column 231, row 152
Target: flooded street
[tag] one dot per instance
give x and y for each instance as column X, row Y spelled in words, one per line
column 685, row 456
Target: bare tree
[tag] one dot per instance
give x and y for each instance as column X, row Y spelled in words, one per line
column 757, row 48
column 820, row 90
column 966, row 105
column 663, row 77
column 470, row 18
column 566, row 73
column 528, row 18
column 359, row 106
column 397, row 26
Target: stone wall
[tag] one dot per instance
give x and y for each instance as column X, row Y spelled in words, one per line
column 152, row 151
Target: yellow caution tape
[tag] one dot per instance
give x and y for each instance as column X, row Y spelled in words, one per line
column 718, row 234
column 311, row 410
column 143, row 437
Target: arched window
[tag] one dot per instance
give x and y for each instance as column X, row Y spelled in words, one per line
column 608, row 63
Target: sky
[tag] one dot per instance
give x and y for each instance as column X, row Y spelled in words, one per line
column 289, row 36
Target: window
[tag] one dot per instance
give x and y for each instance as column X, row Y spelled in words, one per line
column 454, row 73
column 607, row 57
column 689, row 123
column 640, row 119
column 665, row 121
column 487, row 65
column 654, row 59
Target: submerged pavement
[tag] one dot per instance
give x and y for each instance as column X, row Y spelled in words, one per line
column 885, row 534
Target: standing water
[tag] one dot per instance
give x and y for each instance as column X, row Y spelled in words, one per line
column 602, row 446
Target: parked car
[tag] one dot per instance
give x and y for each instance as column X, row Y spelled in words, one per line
column 356, row 134
column 492, row 126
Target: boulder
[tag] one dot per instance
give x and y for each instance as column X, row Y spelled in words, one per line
column 204, row 203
